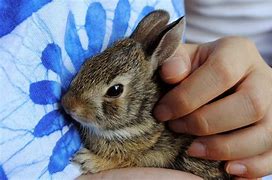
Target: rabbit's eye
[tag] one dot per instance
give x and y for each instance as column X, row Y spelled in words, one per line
column 115, row 90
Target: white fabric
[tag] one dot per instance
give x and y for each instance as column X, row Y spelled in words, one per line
column 210, row 19
column 42, row 45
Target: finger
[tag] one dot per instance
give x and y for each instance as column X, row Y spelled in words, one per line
column 239, row 178
column 254, row 167
column 246, row 106
column 242, row 143
column 177, row 67
column 140, row 173
column 207, row 82
column 229, row 113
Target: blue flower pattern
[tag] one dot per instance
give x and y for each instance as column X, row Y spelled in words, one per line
column 45, row 91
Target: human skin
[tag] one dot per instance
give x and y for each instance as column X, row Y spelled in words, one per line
column 204, row 72
column 140, row 173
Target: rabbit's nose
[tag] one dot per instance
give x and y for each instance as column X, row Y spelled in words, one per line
column 70, row 104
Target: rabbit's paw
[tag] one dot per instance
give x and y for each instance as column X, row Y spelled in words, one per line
column 87, row 161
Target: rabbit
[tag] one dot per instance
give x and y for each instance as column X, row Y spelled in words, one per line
column 112, row 98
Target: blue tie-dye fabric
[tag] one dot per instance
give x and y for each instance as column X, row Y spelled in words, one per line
column 42, row 45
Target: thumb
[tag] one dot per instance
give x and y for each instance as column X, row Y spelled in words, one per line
column 177, row 67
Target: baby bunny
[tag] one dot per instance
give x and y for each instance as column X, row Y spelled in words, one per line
column 112, row 98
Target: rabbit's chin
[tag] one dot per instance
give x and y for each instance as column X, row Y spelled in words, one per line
column 117, row 134
column 84, row 121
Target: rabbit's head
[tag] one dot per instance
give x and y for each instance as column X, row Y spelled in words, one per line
column 118, row 88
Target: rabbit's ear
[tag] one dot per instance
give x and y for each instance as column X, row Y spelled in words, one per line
column 149, row 29
column 168, row 42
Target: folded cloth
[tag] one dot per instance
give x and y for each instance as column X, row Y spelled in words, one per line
column 42, row 45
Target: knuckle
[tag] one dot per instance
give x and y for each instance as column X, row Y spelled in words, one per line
column 201, row 124
column 256, row 170
column 269, row 130
column 219, row 149
column 246, row 42
column 242, row 41
column 267, row 138
column 256, row 105
column 225, row 151
column 184, row 102
column 226, row 74
column 222, row 71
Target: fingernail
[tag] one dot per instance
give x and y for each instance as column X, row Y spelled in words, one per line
column 197, row 149
column 236, row 169
column 174, row 67
column 162, row 112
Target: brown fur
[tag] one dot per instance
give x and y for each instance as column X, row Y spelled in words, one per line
column 142, row 141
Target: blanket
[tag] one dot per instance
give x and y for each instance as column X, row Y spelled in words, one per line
column 42, row 45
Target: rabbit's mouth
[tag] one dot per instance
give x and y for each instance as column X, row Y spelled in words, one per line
column 76, row 117
column 79, row 118
column 85, row 122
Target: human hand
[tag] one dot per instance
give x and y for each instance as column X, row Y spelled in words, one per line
column 140, row 173
column 230, row 65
